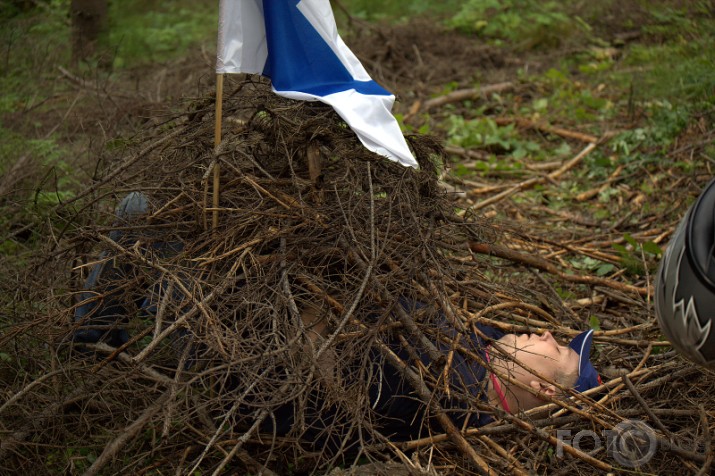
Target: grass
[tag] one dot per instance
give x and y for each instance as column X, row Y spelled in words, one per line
column 524, row 23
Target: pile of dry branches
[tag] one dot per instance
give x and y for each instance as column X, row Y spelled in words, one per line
column 277, row 316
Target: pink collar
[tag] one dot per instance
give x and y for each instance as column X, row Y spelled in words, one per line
column 497, row 387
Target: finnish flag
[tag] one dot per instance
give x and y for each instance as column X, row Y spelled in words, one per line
column 296, row 44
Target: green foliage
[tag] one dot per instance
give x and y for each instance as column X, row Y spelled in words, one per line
column 9, row 10
column 375, row 10
column 35, row 41
column 57, row 185
column 593, row 265
column 679, row 72
column 564, row 294
column 529, row 22
column 29, row 50
column 485, row 133
column 673, row 75
column 59, row 179
column 160, row 33
column 634, row 253
column 72, row 460
column 567, row 99
column 676, row 21
column 140, row 32
column 10, row 143
column 647, row 143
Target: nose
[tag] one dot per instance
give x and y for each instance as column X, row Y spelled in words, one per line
column 546, row 336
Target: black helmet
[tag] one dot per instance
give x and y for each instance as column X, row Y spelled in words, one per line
column 685, row 283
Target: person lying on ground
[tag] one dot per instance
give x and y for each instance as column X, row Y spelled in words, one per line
column 537, row 362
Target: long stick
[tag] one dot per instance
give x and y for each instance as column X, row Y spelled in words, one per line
column 217, row 142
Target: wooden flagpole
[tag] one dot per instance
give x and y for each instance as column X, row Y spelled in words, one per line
column 217, row 142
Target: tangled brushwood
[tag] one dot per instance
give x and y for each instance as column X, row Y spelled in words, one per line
column 250, row 325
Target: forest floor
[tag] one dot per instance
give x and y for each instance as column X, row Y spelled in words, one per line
column 585, row 154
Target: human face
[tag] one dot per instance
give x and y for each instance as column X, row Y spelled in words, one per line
column 541, row 353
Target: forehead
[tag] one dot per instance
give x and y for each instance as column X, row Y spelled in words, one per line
column 571, row 361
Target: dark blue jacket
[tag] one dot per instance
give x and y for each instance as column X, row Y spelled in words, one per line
column 402, row 411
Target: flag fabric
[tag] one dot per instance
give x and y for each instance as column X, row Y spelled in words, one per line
column 296, row 44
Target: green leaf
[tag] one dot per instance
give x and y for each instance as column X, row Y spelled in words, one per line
column 603, row 161
column 652, row 248
column 595, row 323
column 541, row 104
column 519, row 153
column 604, row 269
column 620, row 248
column 563, row 149
column 630, row 240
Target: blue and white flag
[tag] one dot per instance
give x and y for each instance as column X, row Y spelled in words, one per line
column 297, row 45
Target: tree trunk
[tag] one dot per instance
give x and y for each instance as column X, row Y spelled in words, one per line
column 89, row 22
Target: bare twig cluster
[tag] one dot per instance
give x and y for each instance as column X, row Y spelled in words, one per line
column 260, row 344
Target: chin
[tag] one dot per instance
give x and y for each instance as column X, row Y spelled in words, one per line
column 508, row 340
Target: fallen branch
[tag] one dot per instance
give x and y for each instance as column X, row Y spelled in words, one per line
column 467, row 153
column 465, row 94
column 84, row 84
column 414, row 379
column 641, row 401
column 553, row 441
column 589, row 194
column 559, row 131
column 425, row 395
column 9, row 442
column 111, row 449
column 126, row 164
column 27, row 388
column 505, row 428
column 543, row 265
column 707, row 439
column 527, row 184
